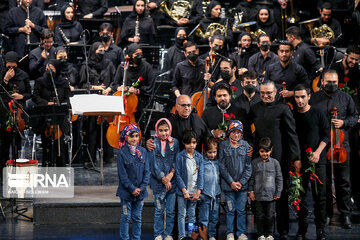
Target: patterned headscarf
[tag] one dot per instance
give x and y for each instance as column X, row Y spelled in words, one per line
column 169, row 139
column 129, row 129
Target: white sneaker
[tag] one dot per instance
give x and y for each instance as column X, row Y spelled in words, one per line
column 269, row 237
column 262, row 237
column 168, row 238
column 230, row 236
column 159, row 238
column 212, row 238
column 242, row 237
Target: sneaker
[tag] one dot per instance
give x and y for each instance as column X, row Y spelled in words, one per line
column 212, row 238
column 269, row 237
column 242, row 237
column 159, row 237
column 168, row 238
column 230, row 236
column 262, row 237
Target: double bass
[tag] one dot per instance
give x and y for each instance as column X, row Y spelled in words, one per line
column 337, row 153
column 120, row 121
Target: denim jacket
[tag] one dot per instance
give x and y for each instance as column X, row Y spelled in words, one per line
column 181, row 171
column 211, row 178
column 133, row 173
column 160, row 166
column 234, row 164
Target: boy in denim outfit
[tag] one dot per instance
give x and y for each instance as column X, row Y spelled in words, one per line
column 162, row 180
column 235, row 172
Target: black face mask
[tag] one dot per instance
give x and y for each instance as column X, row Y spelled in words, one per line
column 100, row 55
column 137, row 59
column 217, row 49
column 250, row 89
column 192, row 57
column 330, row 88
column 225, row 75
column 265, row 46
column 180, row 41
column 105, row 38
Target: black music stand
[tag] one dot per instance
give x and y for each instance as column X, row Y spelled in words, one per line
column 48, row 115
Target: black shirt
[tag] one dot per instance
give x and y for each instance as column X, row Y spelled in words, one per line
column 305, row 56
column 37, row 64
column 114, row 54
column 257, row 62
column 188, row 78
column 97, row 7
column 293, row 74
column 72, row 33
column 243, row 102
column 353, row 74
column 242, row 59
column 312, row 128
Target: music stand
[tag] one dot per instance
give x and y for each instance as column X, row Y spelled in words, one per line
column 98, row 105
column 49, row 115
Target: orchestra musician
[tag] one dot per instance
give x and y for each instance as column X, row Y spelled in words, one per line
column 92, row 8
column 249, row 10
column 67, row 70
column 265, row 21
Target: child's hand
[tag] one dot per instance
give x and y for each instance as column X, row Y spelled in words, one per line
column 250, row 151
column 252, row 196
column 196, row 196
column 168, row 186
column 236, row 186
column 136, row 192
column 276, row 198
column 186, row 195
column 165, row 180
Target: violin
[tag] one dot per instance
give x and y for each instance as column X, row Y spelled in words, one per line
column 198, row 99
column 286, row 102
column 120, row 121
column 17, row 112
column 53, row 129
column 337, row 153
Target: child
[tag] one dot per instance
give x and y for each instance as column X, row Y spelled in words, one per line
column 189, row 173
column 162, row 180
column 235, row 171
column 133, row 172
column 210, row 197
column 265, row 187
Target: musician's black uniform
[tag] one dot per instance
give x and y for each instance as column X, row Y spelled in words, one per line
column 72, row 30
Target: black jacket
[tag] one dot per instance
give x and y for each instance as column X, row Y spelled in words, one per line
column 305, row 56
column 37, row 65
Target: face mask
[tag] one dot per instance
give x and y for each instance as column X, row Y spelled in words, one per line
column 330, row 88
column 100, row 55
column 225, row 75
column 180, row 41
column 265, row 46
column 250, row 88
column 105, row 38
column 192, row 57
column 217, row 49
column 137, row 59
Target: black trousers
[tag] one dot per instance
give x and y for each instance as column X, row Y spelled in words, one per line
column 319, row 197
column 265, row 211
column 282, row 209
column 342, row 189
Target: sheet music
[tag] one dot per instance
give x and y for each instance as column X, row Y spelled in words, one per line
column 90, row 103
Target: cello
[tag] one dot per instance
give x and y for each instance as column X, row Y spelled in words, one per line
column 120, row 121
column 337, row 153
column 198, row 99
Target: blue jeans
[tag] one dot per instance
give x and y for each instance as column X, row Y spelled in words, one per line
column 185, row 206
column 209, row 213
column 236, row 201
column 131, row 210
column 162, row 202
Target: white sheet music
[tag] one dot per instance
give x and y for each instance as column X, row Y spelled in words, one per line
column 90, row 103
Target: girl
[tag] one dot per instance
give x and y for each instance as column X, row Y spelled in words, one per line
column 210, row 197
column 133, row 172
column 162, row 181
column 189, row 173
column 265, row 21
column 235, row 170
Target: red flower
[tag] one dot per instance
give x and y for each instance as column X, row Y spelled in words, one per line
column 234, row 89
column 341, row 85
column 297, row 208
column 232, row 116
column 298, row 200
column 8, row 129
column 291, row 173
column 294, row 203
column 226, row 116
column 141, row 79
column 346, row 79
column 309, row 150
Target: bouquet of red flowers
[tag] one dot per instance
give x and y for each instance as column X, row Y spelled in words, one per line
column 233, row 90
column 344, row 86
column 295, row 188
column 311, row 169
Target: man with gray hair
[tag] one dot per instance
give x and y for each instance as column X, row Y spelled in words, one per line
column 274, row 119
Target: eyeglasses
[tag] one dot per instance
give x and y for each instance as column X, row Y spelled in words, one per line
column 185, row 105
column 266, row 93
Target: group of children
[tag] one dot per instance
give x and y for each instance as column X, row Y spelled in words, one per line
column 188, row 178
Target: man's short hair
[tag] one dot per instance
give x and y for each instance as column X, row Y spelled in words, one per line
column 249, row 75
column 46, row 33
column 262, row 35
column 218, row 37
column 352, row 49
column 294, row 31
column 182, row 95
column 268, row 83
column 326, row 5
column 301, row 87
column 190, row 44
column 328, row 71
column 230, row 61
column 223, row 86
column 285, row 43
column 106, row 26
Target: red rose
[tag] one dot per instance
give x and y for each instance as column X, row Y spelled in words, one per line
column 232, row 116
column 308, row 150
column 298, row 200
column 297, row 208
column 346, row 79
column 8, row 129
column 291, row 173
column 234, row 89
column 341, row 85
column 141, row 79
column 226, row 116
column 294, row 203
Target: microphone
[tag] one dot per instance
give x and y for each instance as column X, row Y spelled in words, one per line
column 53, row 5
column 222, row 56
column 336, row 49
column 164, row 73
